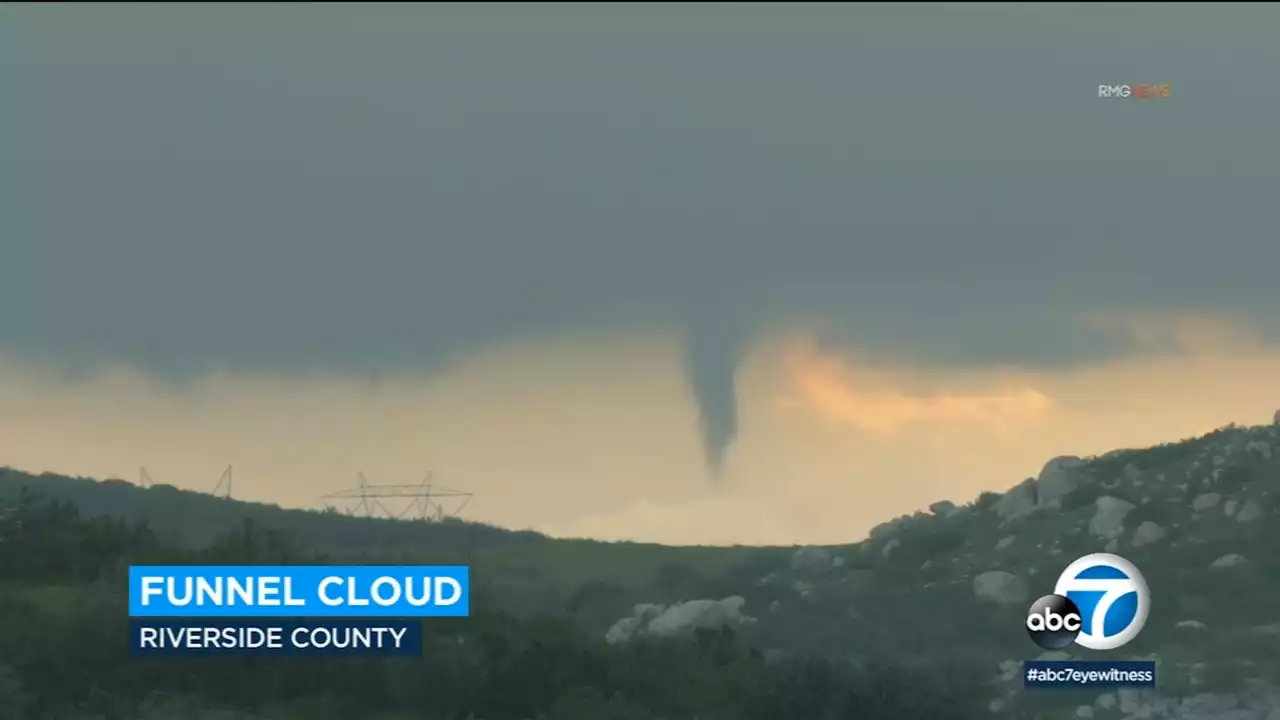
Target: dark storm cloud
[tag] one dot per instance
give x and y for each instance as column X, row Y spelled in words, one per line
column 374, row 188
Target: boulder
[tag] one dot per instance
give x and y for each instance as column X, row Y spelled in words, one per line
column 1206, row 501
column 1210, row 705
column 1108, row 519
column 1053, row 656
column 890, row 546
column 628, row 627
column 1249, row 512
column 887, row 529
column 811, row 558
column 1059, row 477
column 662, row 621
column 698, row 614
column 1229, row 561
column 1259, row 447
column 1000, row 587
column 1019, row 501
column 1147, row 533
column 942, row 508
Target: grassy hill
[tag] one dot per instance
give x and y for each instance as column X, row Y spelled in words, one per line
column 536, row 572
column 63, row 630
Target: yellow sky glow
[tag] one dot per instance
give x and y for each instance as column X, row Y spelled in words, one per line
column 597, row 436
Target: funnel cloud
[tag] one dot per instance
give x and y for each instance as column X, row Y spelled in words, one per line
column 400, row 192
column 715, row 342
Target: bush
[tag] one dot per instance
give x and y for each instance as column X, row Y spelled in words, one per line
column 1235, row 478
column 1156, row 511
column 1082, row 496
column 677, row 580
column 13, row 700
column 986, row 501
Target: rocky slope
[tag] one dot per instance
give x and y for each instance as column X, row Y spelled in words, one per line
column 1198, row 517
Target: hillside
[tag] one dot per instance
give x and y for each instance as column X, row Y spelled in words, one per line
column 533, row 572
column 64, row 654
column 940, row 589
column 1198, row 517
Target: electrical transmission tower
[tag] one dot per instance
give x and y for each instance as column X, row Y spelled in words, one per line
column 424, row 500
column 222, row 489
column 224, row 485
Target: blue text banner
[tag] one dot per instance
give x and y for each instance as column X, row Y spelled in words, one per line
column 299, row 591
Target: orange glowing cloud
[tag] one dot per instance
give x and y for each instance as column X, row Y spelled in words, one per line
column 874, row 402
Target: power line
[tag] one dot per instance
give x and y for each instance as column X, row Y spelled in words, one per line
column 425, row 500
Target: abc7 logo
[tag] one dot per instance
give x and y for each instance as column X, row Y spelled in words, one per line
column 1054, row 622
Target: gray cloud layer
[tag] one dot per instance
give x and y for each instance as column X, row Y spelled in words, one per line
column 376, row 188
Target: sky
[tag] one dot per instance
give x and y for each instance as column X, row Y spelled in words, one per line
column 714, row 274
